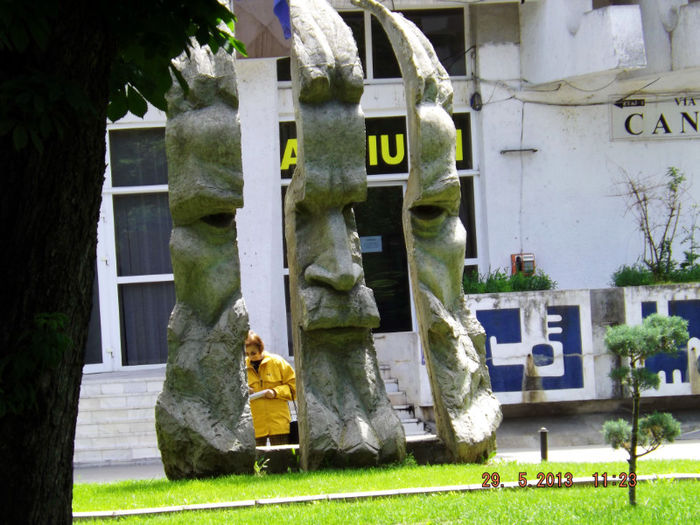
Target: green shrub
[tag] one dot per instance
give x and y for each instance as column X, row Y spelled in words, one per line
column 638, row 275
column 635, row 275
column 499, row 281
column 539, row 281
column 689, row 274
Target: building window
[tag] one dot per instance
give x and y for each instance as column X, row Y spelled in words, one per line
column 380, row 229
column 444, row 28
column 142, row 225
column 144, row 310
column 467, row 215
column 378, row 219
column 93, row 345
column 137, row 157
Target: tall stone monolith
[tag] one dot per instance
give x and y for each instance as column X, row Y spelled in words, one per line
column 346, row 418
column 466, row 411
column 203, row 419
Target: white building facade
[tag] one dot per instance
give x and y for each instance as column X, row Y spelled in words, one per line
column 554, row 101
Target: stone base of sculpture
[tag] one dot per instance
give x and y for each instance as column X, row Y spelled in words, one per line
column 204, row 424
column 346, row 416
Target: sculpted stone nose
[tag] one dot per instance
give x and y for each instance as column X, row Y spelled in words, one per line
column 335, row 266
column 341, row 277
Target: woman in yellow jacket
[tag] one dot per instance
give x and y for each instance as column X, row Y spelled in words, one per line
column 274, row 378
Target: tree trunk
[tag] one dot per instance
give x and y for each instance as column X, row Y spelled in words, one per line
column 49, row 208
column 633, row 442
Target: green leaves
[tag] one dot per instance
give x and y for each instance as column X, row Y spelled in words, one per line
column 644, row 379
column 666, row 333
column 500, row 281
column 35, row 106
column 127, row 100
column 618, row 433
column 25, row 24
column 657, row 334
column 149, row 36
column 658, row 428
column 145, row 36
column 654, row 430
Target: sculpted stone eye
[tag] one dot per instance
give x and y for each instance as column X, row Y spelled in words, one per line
column 219, row 220
column 426, row 212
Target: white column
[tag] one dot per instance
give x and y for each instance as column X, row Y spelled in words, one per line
column 260, row 220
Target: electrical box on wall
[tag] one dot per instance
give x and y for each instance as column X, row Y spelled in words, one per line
column 522, row 263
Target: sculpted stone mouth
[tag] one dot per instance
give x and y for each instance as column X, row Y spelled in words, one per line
column 323, row 308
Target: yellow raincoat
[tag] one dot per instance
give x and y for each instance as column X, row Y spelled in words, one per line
column 271, row 416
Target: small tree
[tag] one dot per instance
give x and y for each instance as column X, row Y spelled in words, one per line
column 657, row 206
column 656, row 335
column 690, row 238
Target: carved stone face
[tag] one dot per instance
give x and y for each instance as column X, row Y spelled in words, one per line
column 331, row 284
column 205, row 172
column 206, row 189
column 434, row 210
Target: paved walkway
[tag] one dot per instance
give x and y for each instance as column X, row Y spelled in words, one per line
column 685, row 449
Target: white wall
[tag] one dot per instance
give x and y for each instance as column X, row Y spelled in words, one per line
column 260, row 220
column 560, row 202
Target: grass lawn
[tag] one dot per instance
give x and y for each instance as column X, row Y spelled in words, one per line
column 658, row 502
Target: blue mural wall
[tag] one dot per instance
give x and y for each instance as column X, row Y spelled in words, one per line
column 563, row 326
column 669, row 363
column 547, row 343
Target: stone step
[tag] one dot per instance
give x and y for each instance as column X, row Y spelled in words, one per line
column 92, row 385
column 130, row 454
column 118, row 401
column 404, row 411
column 131, row 440
column 392, row 385
column 110, row 429
column 385, row 371
column 89, row 417
column 398, row 398
column 413, row 427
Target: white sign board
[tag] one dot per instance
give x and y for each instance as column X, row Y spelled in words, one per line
column 371, row 244
column 653, row 117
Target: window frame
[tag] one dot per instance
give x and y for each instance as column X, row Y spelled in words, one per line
column 109, row 281
column 368, row 60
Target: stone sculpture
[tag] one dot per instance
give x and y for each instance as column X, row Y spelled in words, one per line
column 346, row 418
column 467, row 412
column 203, row 419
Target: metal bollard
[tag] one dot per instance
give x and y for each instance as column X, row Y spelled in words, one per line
column 543, row 443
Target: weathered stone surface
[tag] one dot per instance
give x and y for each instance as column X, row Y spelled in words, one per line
column 467, row 412
column 346, row 418
column 203, row 419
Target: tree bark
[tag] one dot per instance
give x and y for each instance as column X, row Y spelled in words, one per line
column 49, row 206
column 633, row 441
